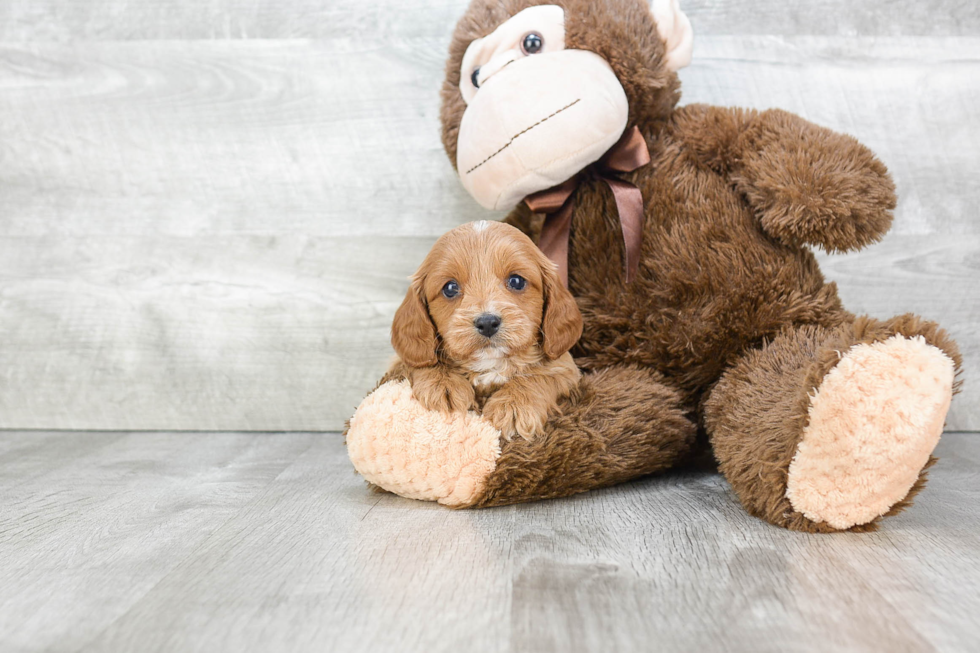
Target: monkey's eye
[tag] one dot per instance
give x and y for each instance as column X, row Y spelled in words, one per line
column 516, row 282
column 532, row 43
column 450, row 290
column 475, row 78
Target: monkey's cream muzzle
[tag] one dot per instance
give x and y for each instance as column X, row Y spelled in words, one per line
column 536, row 122
column 537, row 116
column 534, row 118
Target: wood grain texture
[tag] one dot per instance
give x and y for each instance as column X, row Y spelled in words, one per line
column 328, row 138
column 83, row 539
column 71, row 20
column 269, row 542
column 117, row 20
column 934, row 276
column 214, row 234
column 265, row 332
column 835, row 17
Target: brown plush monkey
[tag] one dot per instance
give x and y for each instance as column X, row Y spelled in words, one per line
column 685, row 235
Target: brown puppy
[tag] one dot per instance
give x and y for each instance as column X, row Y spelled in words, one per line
column 488, row 324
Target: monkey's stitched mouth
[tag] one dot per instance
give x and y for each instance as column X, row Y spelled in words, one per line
column 524, row 131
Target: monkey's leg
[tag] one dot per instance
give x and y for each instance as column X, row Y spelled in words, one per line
column 621, row 423
column 828, row 430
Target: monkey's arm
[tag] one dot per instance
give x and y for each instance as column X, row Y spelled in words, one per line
column 619, row 423
column 808, row 185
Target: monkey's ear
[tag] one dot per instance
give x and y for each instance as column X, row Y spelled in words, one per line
column 413, row 335
column 561, row 324
column 675, row 30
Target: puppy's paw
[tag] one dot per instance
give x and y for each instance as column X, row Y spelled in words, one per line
column 442, row 391
column 512, row 417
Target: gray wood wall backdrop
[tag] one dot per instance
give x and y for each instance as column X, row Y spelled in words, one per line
column 208, row 209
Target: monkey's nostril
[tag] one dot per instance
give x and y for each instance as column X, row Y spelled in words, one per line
column 487, row 324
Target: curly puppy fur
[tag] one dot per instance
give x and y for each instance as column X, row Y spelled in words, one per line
column 730, row 316
column 514, row 371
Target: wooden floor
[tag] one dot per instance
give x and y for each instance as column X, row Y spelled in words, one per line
column 268, row 542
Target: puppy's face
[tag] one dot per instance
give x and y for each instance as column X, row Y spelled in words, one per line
column 484, row 292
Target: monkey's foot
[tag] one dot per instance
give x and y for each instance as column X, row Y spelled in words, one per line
column 873, row 423
column 398, row 445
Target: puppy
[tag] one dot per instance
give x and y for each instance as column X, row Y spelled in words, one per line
column 487, row 325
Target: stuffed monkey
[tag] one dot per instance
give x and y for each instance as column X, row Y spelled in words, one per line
column 683, row 234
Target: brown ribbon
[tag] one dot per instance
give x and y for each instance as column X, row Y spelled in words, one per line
column 558, row 204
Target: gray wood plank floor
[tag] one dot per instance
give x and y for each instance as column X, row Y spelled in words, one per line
column 268, row 542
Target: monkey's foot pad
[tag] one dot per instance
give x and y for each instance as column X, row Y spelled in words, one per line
column 874, row 421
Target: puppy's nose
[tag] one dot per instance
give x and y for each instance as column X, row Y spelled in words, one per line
column 487, row 324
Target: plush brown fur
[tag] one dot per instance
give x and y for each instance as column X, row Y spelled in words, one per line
column 516, row 376
column 620, row 423
column 615, row 425
column 730, row 316
column 757, row 412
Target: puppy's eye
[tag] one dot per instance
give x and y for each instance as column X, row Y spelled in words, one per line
column 516, row 282
column 532, row 43
column 450, row 290
column 475, row 78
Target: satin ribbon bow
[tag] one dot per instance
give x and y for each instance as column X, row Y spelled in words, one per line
column 558, row 204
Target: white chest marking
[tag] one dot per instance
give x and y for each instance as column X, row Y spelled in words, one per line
column 491, row 364
column 490, row 378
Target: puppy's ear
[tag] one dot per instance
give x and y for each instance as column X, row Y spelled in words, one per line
column 561, row 324
column 413, row 335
